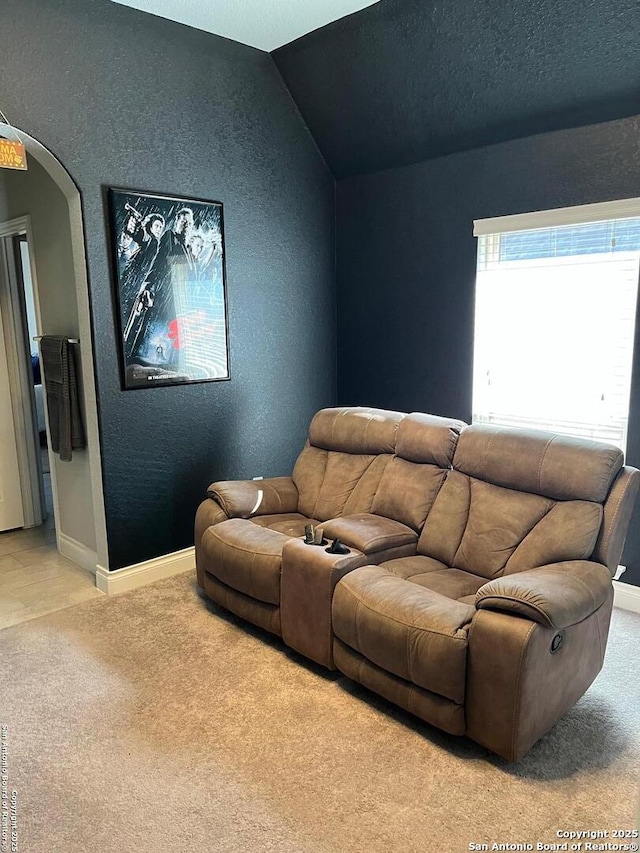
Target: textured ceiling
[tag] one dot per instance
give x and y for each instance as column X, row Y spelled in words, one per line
column 407, row 80
column 265, row 24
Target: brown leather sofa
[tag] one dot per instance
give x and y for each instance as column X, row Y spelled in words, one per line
column 368, row 476
column 477, row 592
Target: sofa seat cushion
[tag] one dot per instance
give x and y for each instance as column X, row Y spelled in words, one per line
column 434, row 575
column 407, row 630
column 409, row 568
column 290, row 523
column 370, row 533
column 246, row 557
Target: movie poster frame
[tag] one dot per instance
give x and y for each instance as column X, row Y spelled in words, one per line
column 156, row 200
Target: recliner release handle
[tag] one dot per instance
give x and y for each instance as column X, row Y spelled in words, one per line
column 557, row 641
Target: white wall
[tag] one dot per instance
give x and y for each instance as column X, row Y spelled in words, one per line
column 35, row 194
column 28, row 297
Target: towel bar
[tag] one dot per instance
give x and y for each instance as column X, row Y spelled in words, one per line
column 71, row 340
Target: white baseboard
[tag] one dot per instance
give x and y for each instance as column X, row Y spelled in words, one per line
column 77, row 552
column 141, row 574
column 626, row 596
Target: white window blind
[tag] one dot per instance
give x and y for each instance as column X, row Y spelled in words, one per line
column 554, row 326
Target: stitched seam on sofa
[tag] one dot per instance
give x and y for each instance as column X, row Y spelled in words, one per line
column 587, row 587
column 360, row 669
column 516, row 711
column 600, row 643
column 251, row 565
column 406, row 540
column 366, row 430
column 279, row 497
column 486, row 453
column 614, row 518
column 414, row 689
column 580, row 581
column 221, row 501
column 342, row 413
column 466, row 524
column 542, row 458
column 358, row 603
column 529, row 532
column 253, row 551
column 324, row 474
column 610, row 469
column 412, row 695
column 329, row 599
column 339, row 513
column 273, row 491
column 450, row 449
column 406, row 624
column 243, row 596
column 333, row 424
column 363, row 475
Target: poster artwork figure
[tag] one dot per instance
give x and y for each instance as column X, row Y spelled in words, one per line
column 170, row 262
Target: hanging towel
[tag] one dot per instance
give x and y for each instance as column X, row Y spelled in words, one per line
column 65, row 423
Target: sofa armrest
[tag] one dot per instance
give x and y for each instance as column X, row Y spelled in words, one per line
column 246, row 498
column 557, row 595
column 370, row 533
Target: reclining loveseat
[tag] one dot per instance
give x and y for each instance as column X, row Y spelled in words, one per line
column 476, row 592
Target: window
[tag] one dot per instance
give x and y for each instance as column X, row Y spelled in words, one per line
column 556, row 296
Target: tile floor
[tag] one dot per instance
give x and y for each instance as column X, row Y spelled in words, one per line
column 34, row 578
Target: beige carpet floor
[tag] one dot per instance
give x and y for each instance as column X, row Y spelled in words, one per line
column 152, row 722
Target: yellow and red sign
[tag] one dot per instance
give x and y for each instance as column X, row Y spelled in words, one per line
column 12, row 155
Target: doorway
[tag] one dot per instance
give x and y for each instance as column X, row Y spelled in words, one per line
column 35, row 578
column 46, row 257
column 25, row 272
column 23, row 498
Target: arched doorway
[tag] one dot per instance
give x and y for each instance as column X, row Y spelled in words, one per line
column 63, row 308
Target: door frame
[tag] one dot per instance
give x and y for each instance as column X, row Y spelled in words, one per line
column 16, row 344
column 59, row 174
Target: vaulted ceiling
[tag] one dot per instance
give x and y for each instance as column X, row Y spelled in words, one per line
column 407, row 80
column 265, row 24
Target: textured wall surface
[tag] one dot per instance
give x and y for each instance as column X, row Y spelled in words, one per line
column 4, row 213
column 127, row 99
column 407, row 262
column 405, row 80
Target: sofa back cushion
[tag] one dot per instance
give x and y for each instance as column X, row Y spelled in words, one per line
column 543, row 463
column 411, row 480
column 518, row 499
column 331, row 483
column 339, row 470
column 355, row 429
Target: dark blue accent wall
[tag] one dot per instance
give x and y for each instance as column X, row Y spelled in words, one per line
column 407, row 80
column 127, row 99
column 407, row 261
column 503, row 106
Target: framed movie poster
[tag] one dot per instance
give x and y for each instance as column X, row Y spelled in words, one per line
column 170, row 288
